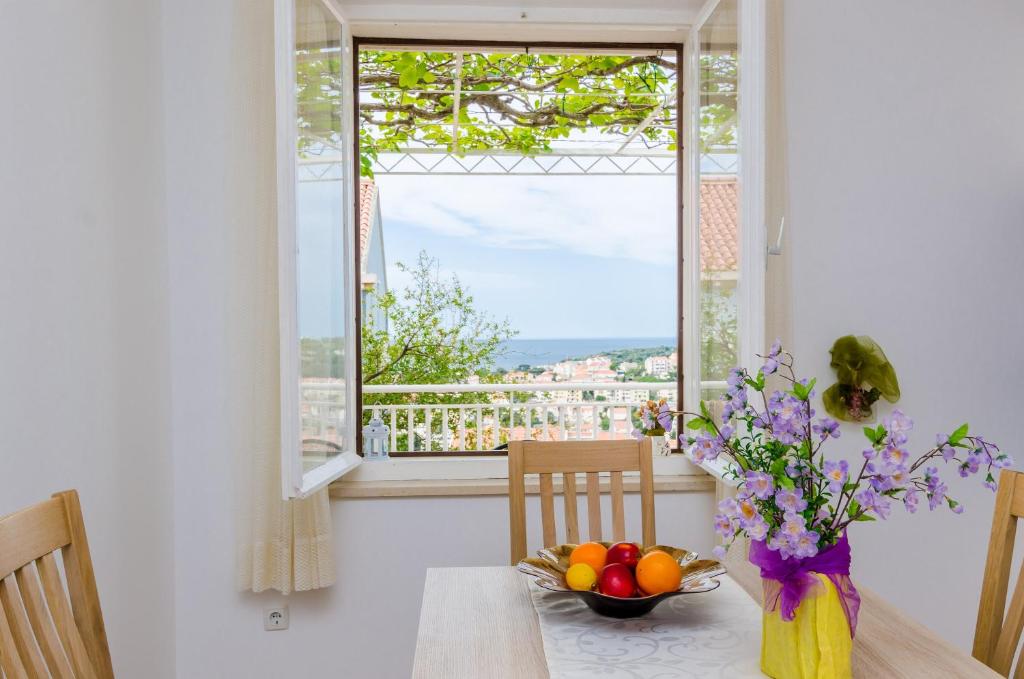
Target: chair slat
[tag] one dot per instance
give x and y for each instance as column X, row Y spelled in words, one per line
column 547, row 510
column 1013, row 624
column 647, row 492
column 996, row 581
column 618, row 508
column 60, row 612
column 42, row 625
column 572, row 522
column 21, row 629
column 594, row 505
column 10, row 661
column 516, row 502
column 85, row 600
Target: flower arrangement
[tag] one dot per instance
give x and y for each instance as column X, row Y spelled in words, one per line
column 655, row 419
column 790, row 496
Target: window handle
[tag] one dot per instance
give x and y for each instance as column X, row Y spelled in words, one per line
column 777, row 248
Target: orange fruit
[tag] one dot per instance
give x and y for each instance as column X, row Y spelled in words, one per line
column 594, row 554
column 581, row 577
column 658, row 572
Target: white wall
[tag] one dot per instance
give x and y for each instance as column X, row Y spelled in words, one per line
column 83, row 298
column 907, row 224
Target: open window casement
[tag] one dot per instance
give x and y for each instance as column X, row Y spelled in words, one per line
column 315, row 217
column 726, row 191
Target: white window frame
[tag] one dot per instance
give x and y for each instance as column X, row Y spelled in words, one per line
column 752, row 33
column 295, row 481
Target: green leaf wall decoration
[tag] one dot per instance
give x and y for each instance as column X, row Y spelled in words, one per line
column 863, row 375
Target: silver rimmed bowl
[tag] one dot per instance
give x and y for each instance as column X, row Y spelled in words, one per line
column 551, row 563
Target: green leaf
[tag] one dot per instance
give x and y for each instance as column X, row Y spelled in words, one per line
column 958, row 435
column 869, row 432
column 852, row 508
column 704, row 411
column 696, row 423
column 409, row 76
column 864, row 517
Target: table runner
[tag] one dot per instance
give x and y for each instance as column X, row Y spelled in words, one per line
column 712, row 635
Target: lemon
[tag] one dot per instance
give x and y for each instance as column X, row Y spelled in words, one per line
column 581, row 577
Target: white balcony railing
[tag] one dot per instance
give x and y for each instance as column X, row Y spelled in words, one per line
column 506, row 412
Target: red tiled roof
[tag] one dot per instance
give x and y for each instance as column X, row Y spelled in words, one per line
column 719, row 245
column 367, row 199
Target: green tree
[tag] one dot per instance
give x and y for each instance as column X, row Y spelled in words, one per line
column 719, row 341
column 434, row 335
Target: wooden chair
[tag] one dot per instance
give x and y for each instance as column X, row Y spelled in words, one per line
column 569, row 458
column 996, row 636
column 44, row 630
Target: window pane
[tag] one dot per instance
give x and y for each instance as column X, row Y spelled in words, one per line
column 320, row 235
column 719, row 197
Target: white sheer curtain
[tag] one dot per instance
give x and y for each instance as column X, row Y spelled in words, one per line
column 283, row 546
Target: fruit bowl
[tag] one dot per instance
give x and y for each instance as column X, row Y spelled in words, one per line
column 551, row 564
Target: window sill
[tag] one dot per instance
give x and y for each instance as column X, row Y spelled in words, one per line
column 454, row 477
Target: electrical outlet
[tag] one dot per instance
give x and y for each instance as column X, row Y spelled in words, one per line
column 275, row 618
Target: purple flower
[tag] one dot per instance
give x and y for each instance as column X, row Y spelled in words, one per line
column 771, row 363
column 637, row 434
column 942, row 443
column 971, row 465
column 990, row 483
column 837, row 474
column 719, row 552
column 790, row 500
column 758, row 528
column 871, row 501
column 723, row 525
column 895, row 457
column 898, row 426
column 737, row 377
column 705, row 447
column 729, row 507
column 665, row 417
column 910, row 501
column 759, row 484
column 797, row 469
column 870, row 454
column 826, row 427
column 936, row 488
column 806, row 544
column 955, row 506
column 748, row 514
column 793, row 527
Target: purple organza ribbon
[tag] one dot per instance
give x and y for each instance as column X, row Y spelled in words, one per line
column 787, row 582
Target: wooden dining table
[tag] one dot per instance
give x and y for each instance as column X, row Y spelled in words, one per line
column 482, row 622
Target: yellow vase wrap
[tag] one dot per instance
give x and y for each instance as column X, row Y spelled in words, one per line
column 816, row 644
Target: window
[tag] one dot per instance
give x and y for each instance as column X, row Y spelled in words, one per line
column 332, row 252
column 315, row 276
column 545, row 179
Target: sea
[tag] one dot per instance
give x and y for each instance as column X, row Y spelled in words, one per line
column 537, row 352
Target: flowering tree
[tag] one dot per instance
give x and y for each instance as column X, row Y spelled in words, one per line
column 794, row 499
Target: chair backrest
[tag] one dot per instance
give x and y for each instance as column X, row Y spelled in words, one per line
column 996, row 636
column 547, row 458
column 46, row 630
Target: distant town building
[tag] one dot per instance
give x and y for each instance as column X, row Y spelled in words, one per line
column 626, row 366
column 658, row 366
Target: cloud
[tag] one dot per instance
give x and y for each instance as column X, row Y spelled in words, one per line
column 625, row 217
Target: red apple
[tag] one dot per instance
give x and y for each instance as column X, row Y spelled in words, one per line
column 625, row 553
column 616, row 580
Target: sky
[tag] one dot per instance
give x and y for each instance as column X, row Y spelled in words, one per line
column 558, row 256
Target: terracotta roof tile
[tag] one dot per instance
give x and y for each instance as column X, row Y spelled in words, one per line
column 719, row 243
